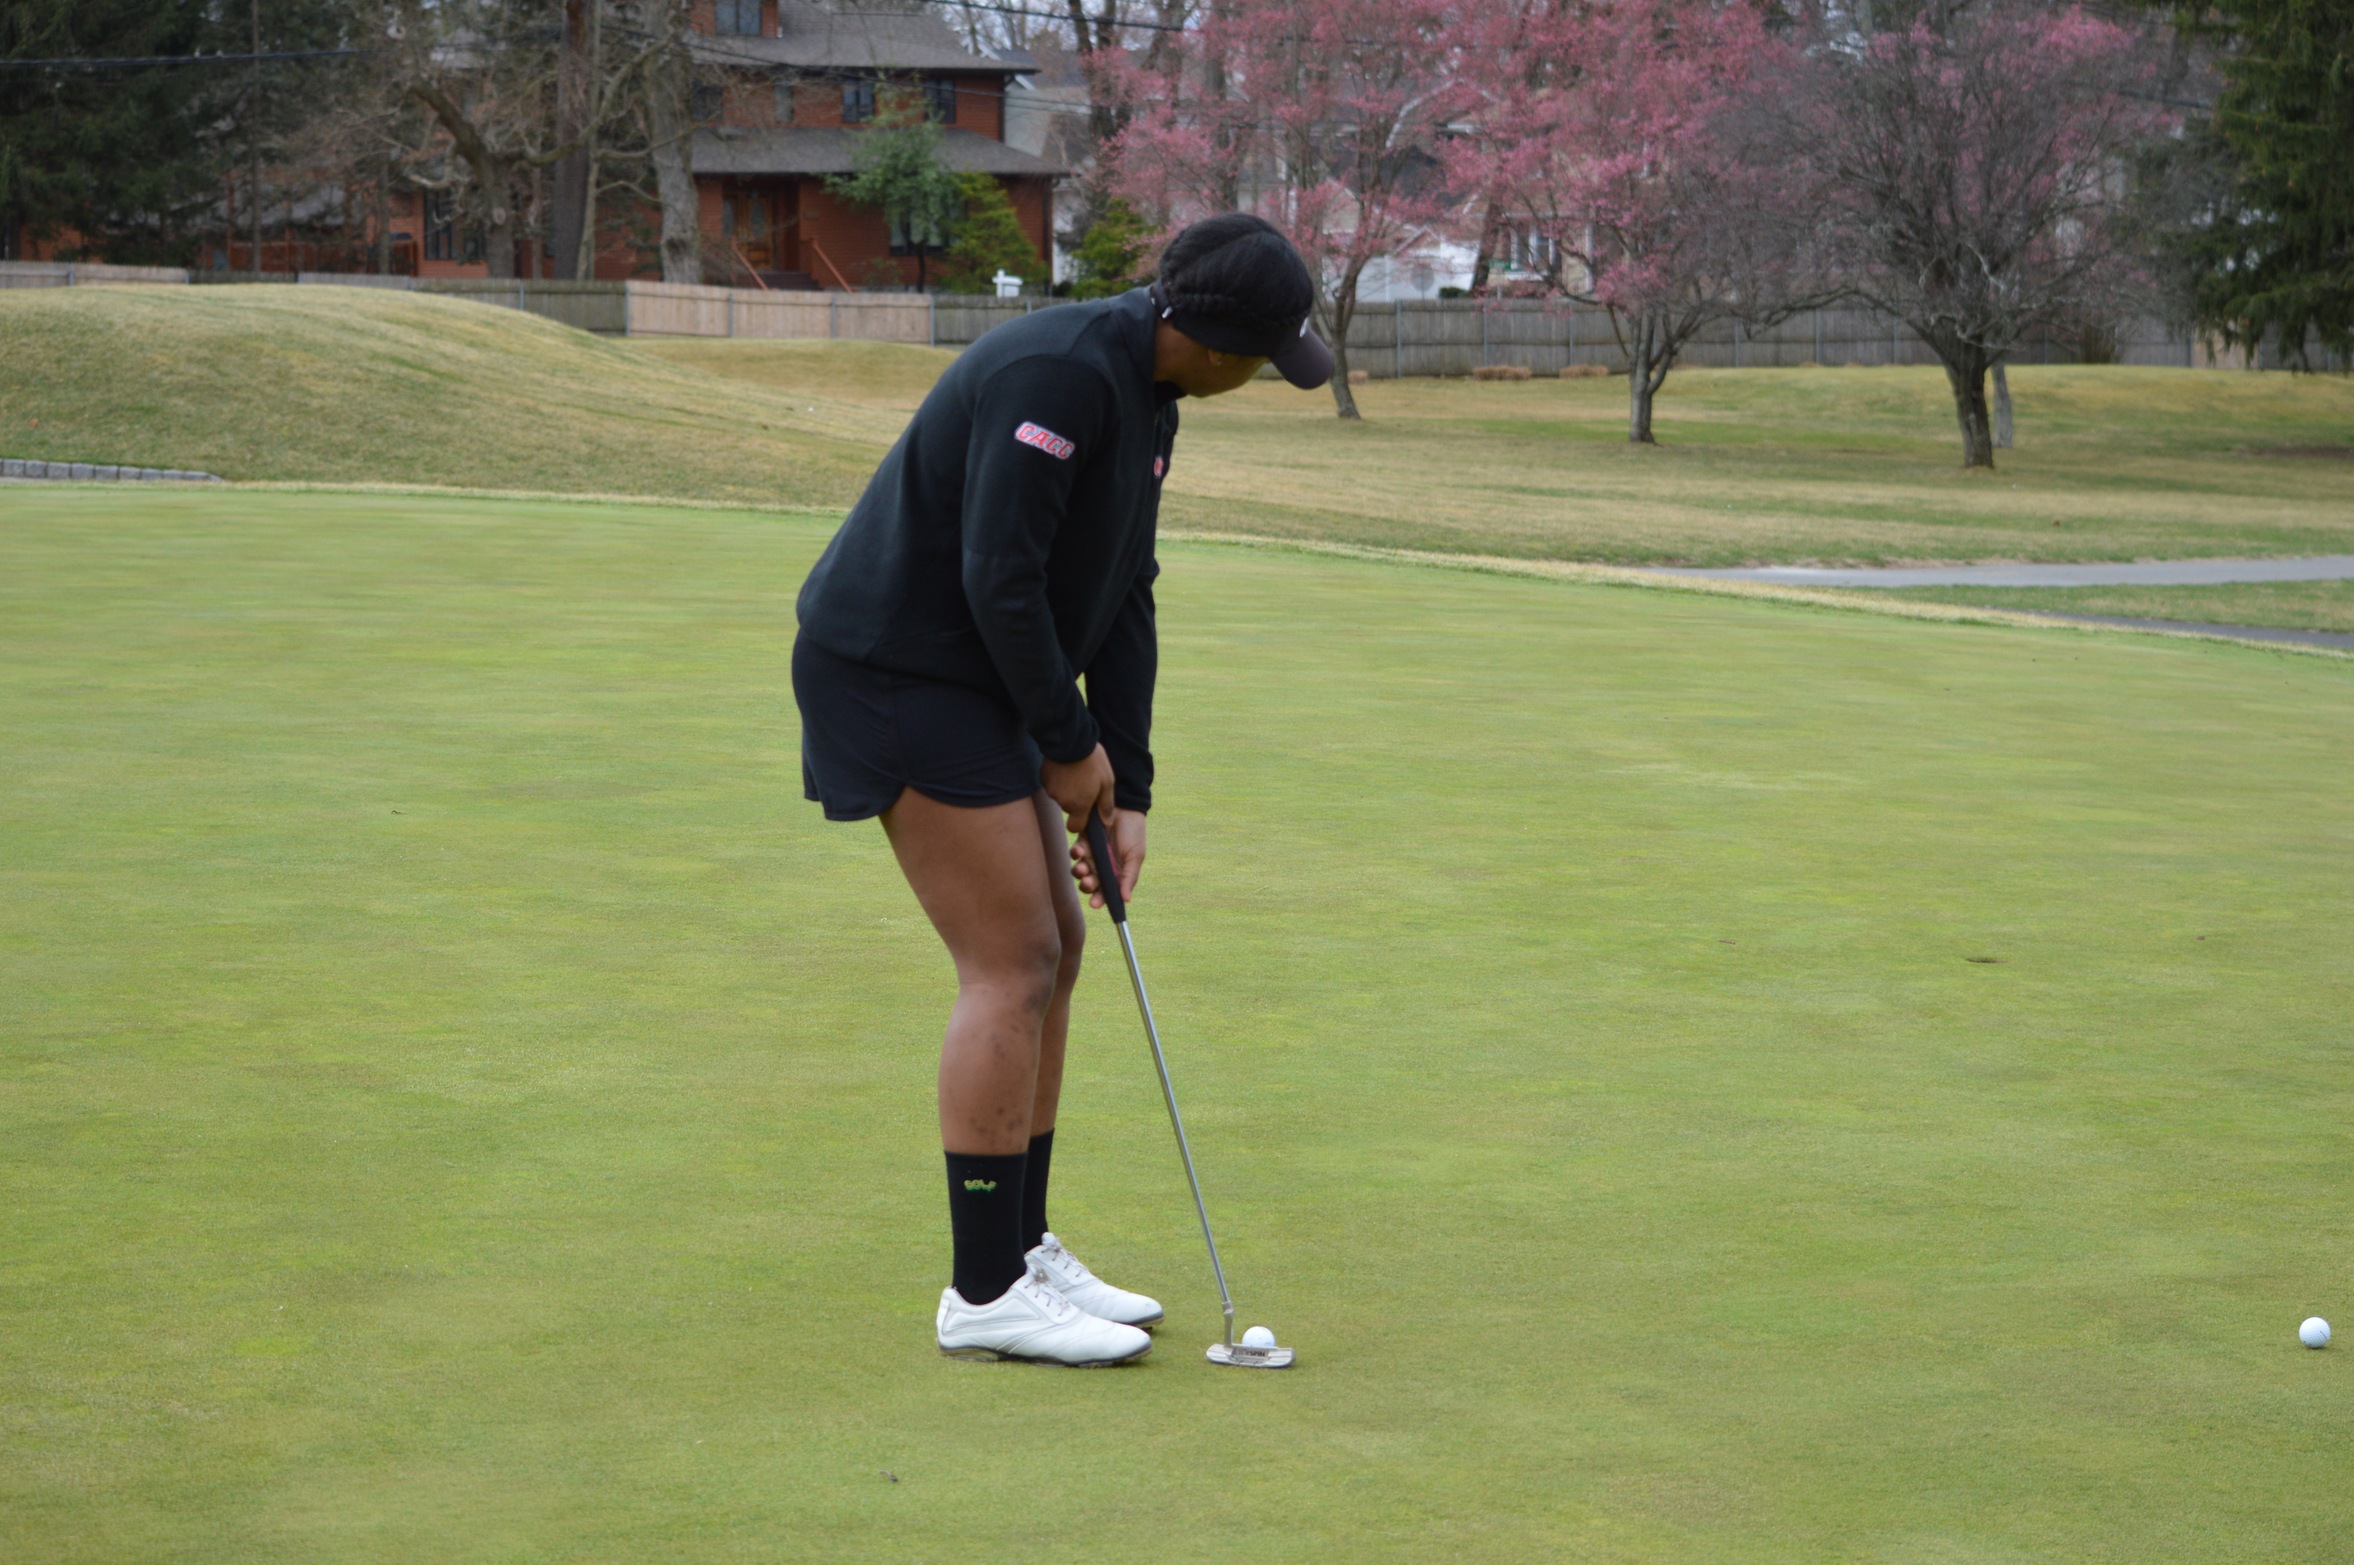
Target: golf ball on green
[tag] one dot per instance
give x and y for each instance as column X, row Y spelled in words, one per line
column 2314, row 1333
column 1261, row 1337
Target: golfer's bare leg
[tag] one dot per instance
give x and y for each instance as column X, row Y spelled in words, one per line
column 1070, row 920
column 995, row 894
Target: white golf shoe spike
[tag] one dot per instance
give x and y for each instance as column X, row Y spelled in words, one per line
column 1032, row 1322
column 1067, row 1275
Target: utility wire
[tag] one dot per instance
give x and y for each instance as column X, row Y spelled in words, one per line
column 141, row 62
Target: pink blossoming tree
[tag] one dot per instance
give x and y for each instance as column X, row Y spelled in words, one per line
column 1626, row 135
column 1326, row 117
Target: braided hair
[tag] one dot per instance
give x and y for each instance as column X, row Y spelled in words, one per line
column 1239, row 272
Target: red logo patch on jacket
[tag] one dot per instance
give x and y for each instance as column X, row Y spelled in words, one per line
column 1045, row 440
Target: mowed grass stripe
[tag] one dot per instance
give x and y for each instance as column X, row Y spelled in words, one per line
column 460, row 1103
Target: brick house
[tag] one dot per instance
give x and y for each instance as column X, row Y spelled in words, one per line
column 785, row 90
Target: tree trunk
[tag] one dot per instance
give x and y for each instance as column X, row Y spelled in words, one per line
column 1965, row 371
column 1229, row 181
column 499, row 239
column 1097, row 34
column 2002, row 408
column 384, row 220
column 1485, row 259
column 1641, row 392
column 1343, row 311
column 1647, row 366
column 575, row 177
column 253, row 149
column 669, row 126
column 1344, row 398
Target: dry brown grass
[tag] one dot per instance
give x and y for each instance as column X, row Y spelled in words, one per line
column 345, row 386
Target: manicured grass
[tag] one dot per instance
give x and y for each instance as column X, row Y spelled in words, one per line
column 2293, row 605
column 349, row 386
column 457, row 1102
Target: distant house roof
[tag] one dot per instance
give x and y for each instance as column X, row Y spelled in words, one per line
column 827, row 151
column 815, row 39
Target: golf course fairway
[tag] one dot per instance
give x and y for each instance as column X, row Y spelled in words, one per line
column 1696, row 1080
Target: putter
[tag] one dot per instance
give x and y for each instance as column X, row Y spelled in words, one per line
column 1107, row 880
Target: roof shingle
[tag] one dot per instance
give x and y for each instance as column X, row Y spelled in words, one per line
column 816, row 39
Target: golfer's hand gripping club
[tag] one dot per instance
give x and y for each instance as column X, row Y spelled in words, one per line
column 1107, row 873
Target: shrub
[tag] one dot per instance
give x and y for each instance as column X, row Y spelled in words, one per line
column 1111, row 254
column 989, row 239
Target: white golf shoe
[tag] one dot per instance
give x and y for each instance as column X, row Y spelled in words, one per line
column 1032, row 1322
column 1063, row 1272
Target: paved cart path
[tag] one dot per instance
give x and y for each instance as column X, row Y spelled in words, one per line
column 2114, row 573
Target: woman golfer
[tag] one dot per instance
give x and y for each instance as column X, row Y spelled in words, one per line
column 1002, row 553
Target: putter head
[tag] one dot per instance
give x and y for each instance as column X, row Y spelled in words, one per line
column 1235, row 1355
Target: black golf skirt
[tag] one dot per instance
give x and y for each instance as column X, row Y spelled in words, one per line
column 868, row 734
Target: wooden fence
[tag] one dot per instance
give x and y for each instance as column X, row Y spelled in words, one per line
column 649, row 309
column 81, row 274
column 1406, row 338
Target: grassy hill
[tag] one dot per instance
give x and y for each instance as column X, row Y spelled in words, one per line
column 344, row 385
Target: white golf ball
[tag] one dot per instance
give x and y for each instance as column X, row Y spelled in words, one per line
column 2314, row 1333
column 1261, row 1337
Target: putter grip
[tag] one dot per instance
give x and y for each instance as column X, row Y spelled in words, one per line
column 1107, row 874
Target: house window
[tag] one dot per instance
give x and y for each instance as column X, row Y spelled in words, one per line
column 858, row 99
column 784, row 100
column 940, row 99
column 909, row 237
column 739, row 18
column 441, row 226
column 706, row 101
column 445, row 240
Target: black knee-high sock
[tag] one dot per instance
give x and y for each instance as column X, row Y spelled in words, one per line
column 1034, row 1190
column 985, row 1219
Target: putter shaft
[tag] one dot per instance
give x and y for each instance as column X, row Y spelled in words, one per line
column 1107, row 878
column 1152, row 1035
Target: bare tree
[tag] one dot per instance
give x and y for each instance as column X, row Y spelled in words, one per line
column 1971, row 171
column 664, row 95
column 579, row 76
column 482, row 70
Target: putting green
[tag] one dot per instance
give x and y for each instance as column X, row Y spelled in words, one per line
column 458, row 1103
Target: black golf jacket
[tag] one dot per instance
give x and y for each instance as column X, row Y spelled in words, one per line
column 1006, row 543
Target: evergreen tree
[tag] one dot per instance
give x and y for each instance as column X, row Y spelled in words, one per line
column 117, row 157
column 125, row 162
column 989, row 239
column 2277, row 260
column 1112, row 253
